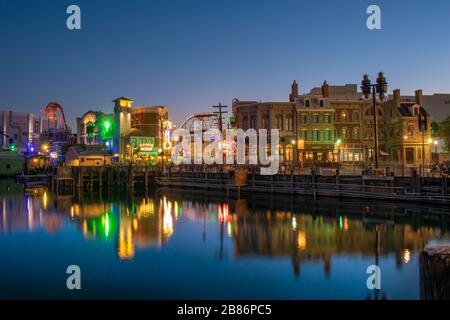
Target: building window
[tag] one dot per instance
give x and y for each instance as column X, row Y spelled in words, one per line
column 355, row 116
column 316, row 118
column 321, row 103
column 37, row 127
column 279, row 122
column 304, row 118
column 307, row 103
column 289, row 123
column 315, row 135
column 355, row 133
column 265, row 122
column 304, row 134
column 327, row 118
column 289, row 152
column 344, row 116
column 328, row 135
column 253, row 122
column 344, row 133
column 245, row 123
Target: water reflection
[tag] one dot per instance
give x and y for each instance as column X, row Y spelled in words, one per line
column 303, row 234
column 300, row 230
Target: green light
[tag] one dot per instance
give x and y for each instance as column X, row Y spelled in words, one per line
column 341, row 222
column 12, row 147
column 107, row 129
column 106, row 225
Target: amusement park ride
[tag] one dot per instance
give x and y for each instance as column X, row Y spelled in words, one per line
column 51, row 110
column 207, row 120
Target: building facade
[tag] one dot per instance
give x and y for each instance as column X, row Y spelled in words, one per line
column 21, row 131
column 96, row 128
column 405, row 143
column 270, row 115
column 336, row 124
column 315, row 126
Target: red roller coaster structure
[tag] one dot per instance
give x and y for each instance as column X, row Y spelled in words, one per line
column 51, row 110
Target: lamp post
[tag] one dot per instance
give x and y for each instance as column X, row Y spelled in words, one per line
column 430, row 143
column 338, row 143
column 379, row 88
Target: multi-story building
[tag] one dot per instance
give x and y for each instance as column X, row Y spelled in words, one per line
column 315, row 125
column 336, row 124
column 139, row 132
column 405, row 143
column 270, row 115
column 151, row 122
column 22, row 130
column 95, row 128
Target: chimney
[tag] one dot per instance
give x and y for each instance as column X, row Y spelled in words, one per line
column 294, row 91
column 325, row 90
column 419, row 97
column 397, row 97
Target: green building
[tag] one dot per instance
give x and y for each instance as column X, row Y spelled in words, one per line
column 11, row 164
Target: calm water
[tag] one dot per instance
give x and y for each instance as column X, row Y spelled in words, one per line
column 185, row 245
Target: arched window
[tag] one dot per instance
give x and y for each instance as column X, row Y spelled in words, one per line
column 355, row 116
column 344, row 116
column 355, row 133
column 289, row 152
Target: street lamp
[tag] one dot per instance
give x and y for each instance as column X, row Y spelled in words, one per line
column 338, row 143
column 379, row 88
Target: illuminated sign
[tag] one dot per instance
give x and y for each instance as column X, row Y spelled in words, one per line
column 146, row 147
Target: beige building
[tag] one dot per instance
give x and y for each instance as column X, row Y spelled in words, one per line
column 270, row 115
column 88, row 156
column 336, row 124
column 405, row 143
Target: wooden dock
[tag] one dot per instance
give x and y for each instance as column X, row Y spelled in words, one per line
column 416, row 189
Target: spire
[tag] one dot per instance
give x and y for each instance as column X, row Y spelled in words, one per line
column 294, row 91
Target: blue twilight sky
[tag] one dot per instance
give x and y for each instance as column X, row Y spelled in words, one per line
column 191, row 54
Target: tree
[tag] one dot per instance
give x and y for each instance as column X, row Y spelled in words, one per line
column 434, row 129
column 444, row 132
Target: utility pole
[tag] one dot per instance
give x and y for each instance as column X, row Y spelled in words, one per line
column 220, row 112
column 422, row 118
